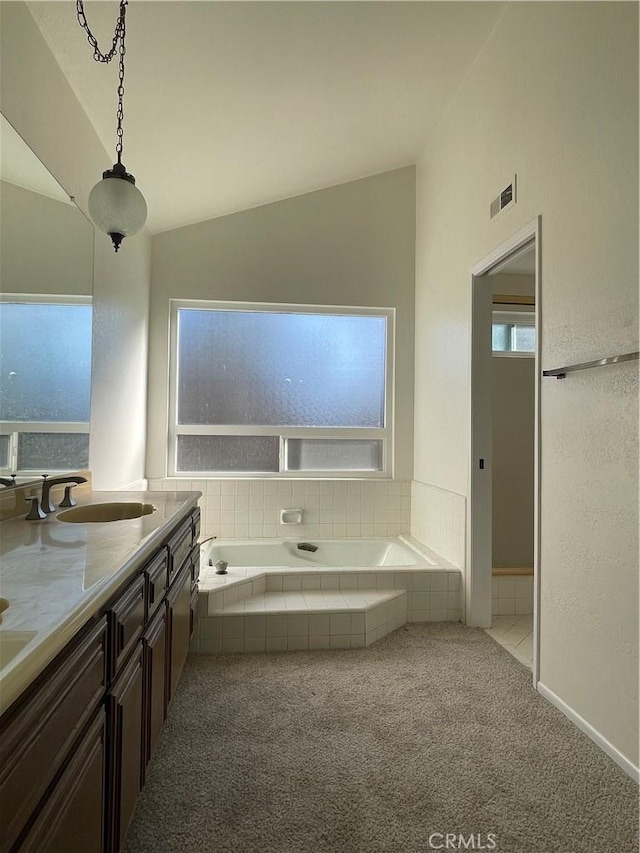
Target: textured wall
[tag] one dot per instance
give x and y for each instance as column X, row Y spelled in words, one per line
column 553, row 97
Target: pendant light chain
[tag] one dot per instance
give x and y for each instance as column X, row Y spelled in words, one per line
column 117, row 46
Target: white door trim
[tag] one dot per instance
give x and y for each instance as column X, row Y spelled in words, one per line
column 478, row 576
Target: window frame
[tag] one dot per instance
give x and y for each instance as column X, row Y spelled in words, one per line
column 14, row 429
column 524, row 317
column 384, row 434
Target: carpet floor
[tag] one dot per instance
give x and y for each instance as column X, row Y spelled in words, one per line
column 433, row 730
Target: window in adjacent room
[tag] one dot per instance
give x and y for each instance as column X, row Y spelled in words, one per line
column 45, row 383
column 279, row 389
column 513, row 333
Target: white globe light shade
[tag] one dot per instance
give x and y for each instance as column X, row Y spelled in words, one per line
column 117, row 206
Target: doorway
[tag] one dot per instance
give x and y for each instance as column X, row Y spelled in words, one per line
column 503, row 534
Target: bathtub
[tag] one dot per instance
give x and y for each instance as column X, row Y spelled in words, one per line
column 331, row 553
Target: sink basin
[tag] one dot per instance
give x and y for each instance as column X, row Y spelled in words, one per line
column 3, row 606
column 117, row 511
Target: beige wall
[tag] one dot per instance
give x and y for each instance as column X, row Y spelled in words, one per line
column 39, row 103
column 46, row 246
column 353, row 244
column 553, row 97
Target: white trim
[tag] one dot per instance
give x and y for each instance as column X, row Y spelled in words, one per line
column 600, row 740
column 516, row 318
column 45, row 299
column 384, row 434
column 478, row 576
column 44, row 426
column 136, row 486
column 512, row 354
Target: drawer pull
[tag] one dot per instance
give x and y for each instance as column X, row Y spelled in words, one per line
column 120, row 637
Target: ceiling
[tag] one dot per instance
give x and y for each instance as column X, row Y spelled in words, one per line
column 230, row 105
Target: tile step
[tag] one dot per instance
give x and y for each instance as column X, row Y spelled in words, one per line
column 289, row 621
column 310, row 601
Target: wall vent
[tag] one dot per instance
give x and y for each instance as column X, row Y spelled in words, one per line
column 506, row 199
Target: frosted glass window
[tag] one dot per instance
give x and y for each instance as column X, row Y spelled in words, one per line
column 53, row 451
column 4, row 451
column 250, row 368
column 45, row 362
column 226, row 453
column 327, row 454
column 524, row 339
column 500, row 337
column 513, row 337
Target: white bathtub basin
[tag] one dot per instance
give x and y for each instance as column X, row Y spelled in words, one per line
column 331, row 552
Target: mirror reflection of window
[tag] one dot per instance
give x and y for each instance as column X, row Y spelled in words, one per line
column 45, row 382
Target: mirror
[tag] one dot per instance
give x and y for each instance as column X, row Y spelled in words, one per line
column 46, row 282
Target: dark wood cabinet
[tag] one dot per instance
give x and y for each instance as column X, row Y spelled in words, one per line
column 155, row 680
column 126, row 622
column 179, row 624
column 74, row 747
column 125, row 757
column 157, row 574
column 73, row 816
column 37, row 735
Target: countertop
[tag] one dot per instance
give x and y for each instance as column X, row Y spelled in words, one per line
column 56, row 575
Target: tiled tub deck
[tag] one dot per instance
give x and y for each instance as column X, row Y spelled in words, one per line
column 254, row 609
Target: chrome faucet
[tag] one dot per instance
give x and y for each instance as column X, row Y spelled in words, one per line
column 47, row 483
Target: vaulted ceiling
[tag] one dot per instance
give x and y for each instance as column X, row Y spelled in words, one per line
column 229, row 105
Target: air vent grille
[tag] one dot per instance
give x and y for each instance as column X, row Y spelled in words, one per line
column 506, row 199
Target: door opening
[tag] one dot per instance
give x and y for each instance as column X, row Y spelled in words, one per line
column 503, row 529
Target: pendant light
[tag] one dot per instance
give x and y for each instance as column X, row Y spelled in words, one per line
column 116, row 205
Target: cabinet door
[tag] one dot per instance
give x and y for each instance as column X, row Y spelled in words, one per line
column 155, row 667
column 126, row 753
column 38, row 733
column 179, row 611
column 72, row 817
column 194, row 610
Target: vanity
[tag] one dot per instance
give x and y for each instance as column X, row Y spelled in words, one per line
column 95, row 631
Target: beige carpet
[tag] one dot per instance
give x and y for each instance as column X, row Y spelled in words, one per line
column 435, row 729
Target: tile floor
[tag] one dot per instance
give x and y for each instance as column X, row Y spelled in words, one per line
column 515, row 634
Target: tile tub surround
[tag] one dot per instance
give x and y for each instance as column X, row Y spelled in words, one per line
column 512, row 595
column 438, row 518
column 252, row 609
column 250, row 509
column 57, row 575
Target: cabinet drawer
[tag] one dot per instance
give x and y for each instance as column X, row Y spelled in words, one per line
column 36, row 737
column 126, row 621
column 157, row 573
column 179, row 548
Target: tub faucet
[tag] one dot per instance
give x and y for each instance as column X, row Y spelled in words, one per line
column 307, row 546
column 47, row 483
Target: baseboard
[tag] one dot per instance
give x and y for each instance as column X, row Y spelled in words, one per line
column 629, row 768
